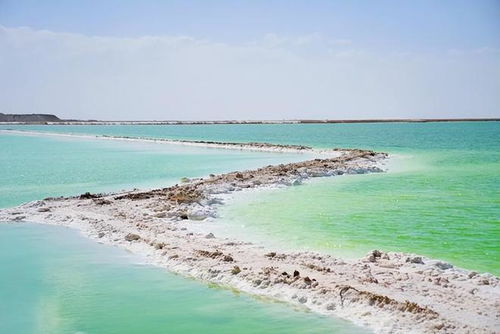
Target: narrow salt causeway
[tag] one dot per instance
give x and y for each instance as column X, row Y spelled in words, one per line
column 247, row 146
column 387, row 292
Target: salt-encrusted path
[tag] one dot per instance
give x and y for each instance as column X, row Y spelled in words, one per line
column 387, row 292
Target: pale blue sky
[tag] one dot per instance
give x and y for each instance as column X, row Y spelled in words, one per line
column 250, row 59
column 396, row 24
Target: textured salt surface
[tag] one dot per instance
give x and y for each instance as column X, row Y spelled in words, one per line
column 388, row 292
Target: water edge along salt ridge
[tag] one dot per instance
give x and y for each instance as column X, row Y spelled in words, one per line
column 56, row 282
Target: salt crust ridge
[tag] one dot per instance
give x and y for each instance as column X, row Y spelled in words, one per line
column 386, row 292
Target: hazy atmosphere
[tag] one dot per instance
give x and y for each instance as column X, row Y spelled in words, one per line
column 196, row 60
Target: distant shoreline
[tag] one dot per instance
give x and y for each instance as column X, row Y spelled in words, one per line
column 241, row 122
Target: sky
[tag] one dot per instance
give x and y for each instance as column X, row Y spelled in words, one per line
column 215, row 60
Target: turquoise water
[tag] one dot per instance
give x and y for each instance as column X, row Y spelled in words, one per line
column 392, row 137
column 58, row 282
column 443, row 201
column 33, row 167
column 54, row 281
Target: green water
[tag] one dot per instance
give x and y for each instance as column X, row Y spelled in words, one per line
column 349, row 216
column 442, row 200
column 58, row 282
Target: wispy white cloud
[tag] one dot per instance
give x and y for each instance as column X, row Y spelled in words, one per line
column 316, row 39
column 180, row 77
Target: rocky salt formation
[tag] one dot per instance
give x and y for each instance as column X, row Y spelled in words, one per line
column 387, row 292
